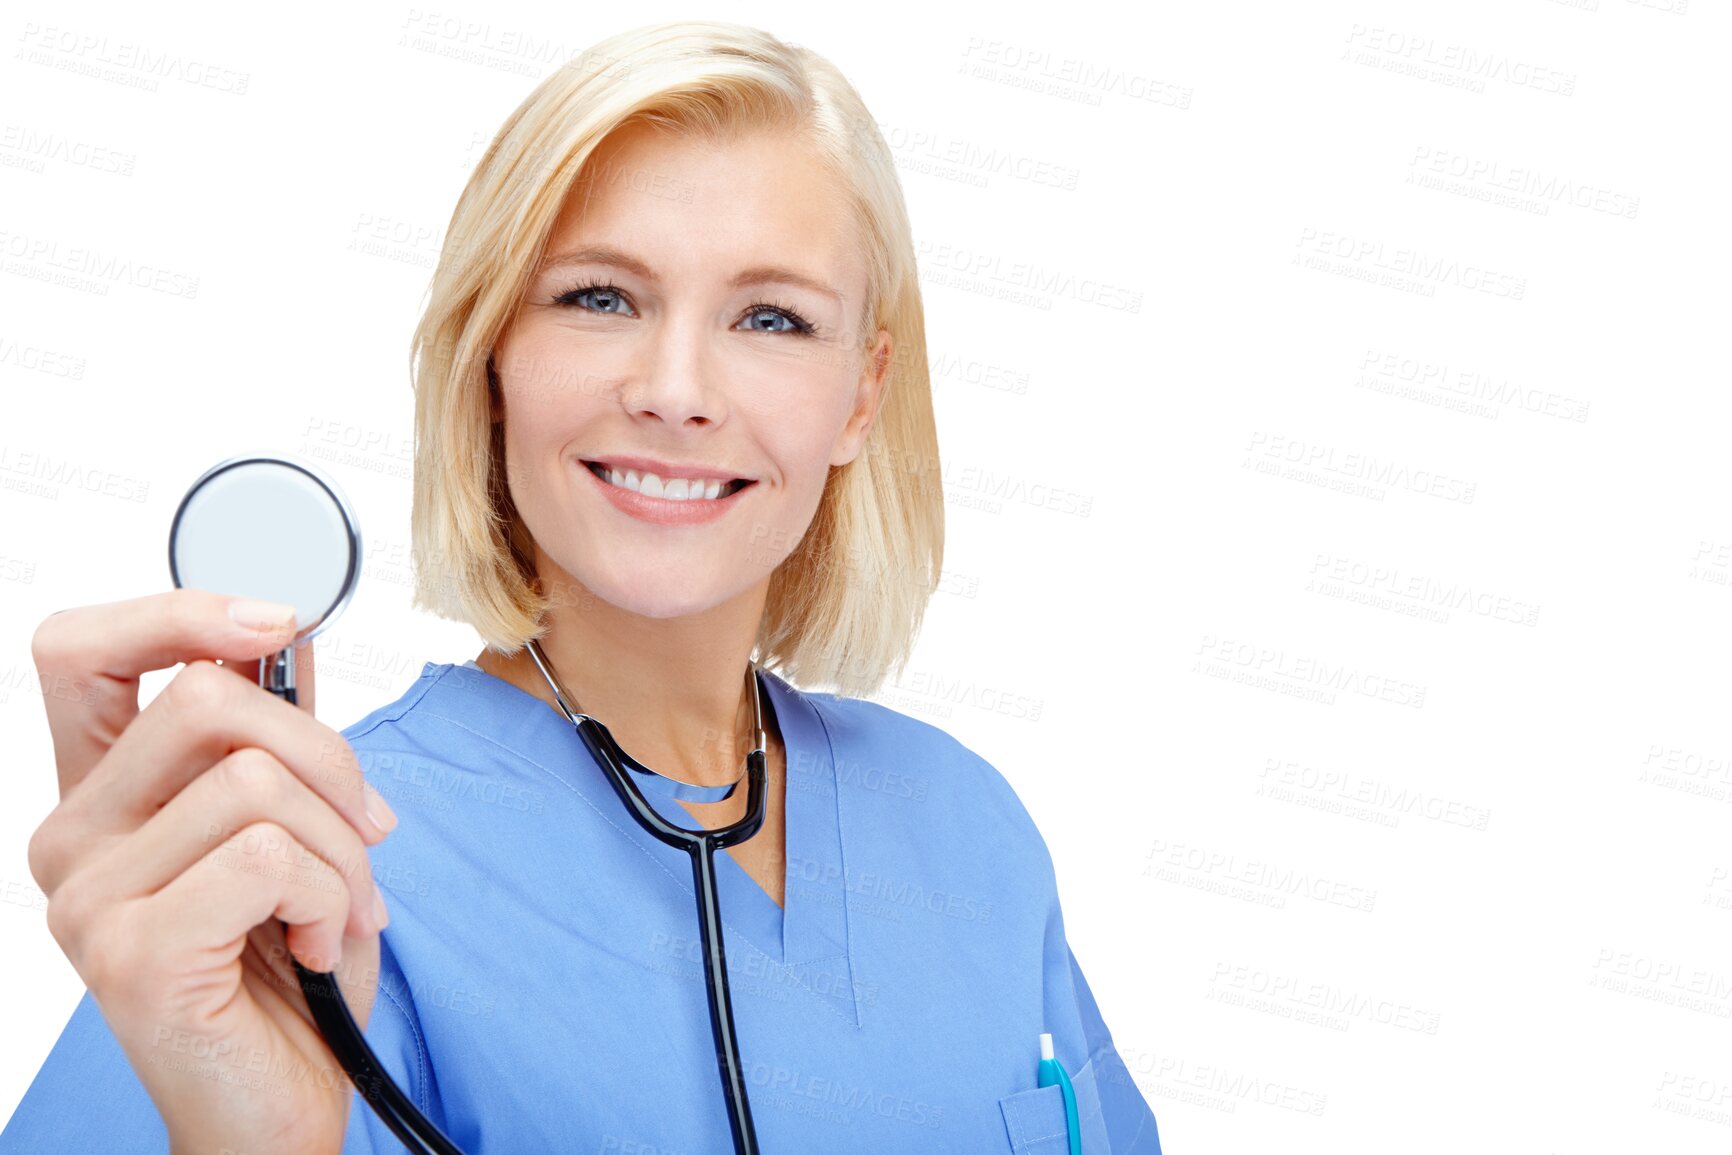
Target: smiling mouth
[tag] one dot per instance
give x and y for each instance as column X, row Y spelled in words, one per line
column 624, row 479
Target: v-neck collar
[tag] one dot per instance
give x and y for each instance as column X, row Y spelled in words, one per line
column 812, row 923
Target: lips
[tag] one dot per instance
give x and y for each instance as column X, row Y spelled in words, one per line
column 666, row 511
column 726, row 488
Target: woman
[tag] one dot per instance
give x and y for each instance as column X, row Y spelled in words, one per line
column 672, row 418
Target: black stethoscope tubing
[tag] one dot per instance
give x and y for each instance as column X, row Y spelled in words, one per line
column 701, row 845
column 331, row 1013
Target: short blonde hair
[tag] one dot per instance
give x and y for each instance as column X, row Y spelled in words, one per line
column 844, row 608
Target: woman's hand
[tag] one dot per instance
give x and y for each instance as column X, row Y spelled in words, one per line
column 183, row 833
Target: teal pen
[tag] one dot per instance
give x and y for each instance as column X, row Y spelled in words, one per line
column 1052, row 1071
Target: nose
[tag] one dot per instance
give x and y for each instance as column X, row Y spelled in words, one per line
column 676, row 378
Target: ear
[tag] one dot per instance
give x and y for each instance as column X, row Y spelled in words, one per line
column 869, row 394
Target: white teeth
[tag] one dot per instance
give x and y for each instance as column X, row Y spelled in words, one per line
column 677, row 489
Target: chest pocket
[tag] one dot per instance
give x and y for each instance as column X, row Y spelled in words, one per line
column 1034, row 1120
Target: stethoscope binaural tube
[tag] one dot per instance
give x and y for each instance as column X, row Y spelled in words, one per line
column 701, row 846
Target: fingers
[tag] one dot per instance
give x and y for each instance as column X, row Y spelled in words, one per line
column 247, row 787
column 200, row 718
column 136, row 952
column 260, row 873
column 90, row 657
column 268, row 957
column 304, row 673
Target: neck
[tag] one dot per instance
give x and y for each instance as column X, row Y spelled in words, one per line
column 672, row 691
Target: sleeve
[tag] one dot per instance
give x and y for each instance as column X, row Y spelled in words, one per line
column 86, row 1097
column 1130, row 1122
column 1070, row 1005
column 394, row 1033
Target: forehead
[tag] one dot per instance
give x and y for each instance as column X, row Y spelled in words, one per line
column 695, row 208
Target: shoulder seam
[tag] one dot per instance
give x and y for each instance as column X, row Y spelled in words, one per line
column 402, row 706
column 421, row 1058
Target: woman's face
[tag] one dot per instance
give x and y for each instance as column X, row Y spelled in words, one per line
column 695, row 311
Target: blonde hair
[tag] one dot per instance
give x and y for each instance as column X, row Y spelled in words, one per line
column 834, row 615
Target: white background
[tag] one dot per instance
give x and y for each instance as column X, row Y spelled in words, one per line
column 1381, row 740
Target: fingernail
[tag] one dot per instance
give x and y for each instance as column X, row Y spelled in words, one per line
column 379, row 812
column 380, row 915
column 269, row 617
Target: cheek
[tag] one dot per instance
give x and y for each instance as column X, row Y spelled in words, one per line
column 542, row 407
column 801, row 443
column 552, row 376
column 798, row 427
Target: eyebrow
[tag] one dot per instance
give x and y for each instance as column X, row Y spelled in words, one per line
column 756, row 275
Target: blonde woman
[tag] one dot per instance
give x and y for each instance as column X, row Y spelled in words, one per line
column 674, row 428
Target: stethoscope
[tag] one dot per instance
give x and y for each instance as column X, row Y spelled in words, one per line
column 277, row 529
column 701, row 847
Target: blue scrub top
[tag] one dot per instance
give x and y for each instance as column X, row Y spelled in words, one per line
column 542, row 984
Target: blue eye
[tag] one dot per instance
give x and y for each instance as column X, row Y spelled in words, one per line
column 796, row 323
column 575, row 296
column 603, row 297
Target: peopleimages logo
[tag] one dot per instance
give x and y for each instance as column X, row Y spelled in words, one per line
column 1371, row 256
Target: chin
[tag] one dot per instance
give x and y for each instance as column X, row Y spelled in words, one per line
column 661, row 596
